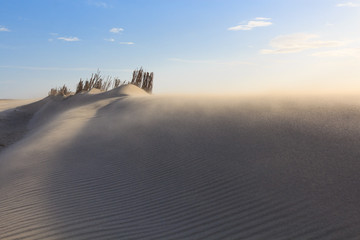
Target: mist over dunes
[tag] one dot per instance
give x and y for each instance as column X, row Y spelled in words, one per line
column 126, row 165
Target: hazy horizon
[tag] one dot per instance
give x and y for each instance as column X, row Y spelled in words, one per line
column 205, row 47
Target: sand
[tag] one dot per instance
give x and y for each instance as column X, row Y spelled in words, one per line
column 14, row 116
column 127, row 165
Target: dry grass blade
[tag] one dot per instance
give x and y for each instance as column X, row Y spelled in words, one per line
column 80, row 87
column 87, row 86
column 117, row 83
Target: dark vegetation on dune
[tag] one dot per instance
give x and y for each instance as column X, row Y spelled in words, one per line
column 140, row 78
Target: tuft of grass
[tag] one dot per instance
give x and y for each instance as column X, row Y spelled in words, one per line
column 86, row 86
column 140, row 78
column 106, row 84
column 53, row 92
column 62, row 91
column 96, row 80
column 143, row 80
column 117, row 83
column 80, row 86
column 137, row 77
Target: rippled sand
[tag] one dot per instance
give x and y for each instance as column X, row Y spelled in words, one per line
column 126, row 165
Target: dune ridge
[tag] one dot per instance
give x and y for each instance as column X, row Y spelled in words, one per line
column 126, row 165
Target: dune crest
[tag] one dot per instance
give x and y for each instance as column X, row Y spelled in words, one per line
column 127, row 90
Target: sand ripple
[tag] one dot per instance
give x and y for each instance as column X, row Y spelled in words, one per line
column 173, row 168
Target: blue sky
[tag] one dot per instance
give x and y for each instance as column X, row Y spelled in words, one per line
column 192, row 46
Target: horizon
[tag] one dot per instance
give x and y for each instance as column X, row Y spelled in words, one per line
column 205, row 46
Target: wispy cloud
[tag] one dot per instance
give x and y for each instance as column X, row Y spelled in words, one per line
column 345, row 52
column 230, row 63
column 263, row 18
column 4, row 29
column 69, row 39
column 109, row 39
column 31, row 68
column 126, row 43
column 297, row 43
column 348, row 4
column 51, row 39
column 116, row 30
column 258, row 22
column 99, row 4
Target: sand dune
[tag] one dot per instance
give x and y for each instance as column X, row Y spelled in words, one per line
column 126, row 165
column 14, row 117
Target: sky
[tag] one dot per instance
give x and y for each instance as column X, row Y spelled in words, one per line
column 192, row 46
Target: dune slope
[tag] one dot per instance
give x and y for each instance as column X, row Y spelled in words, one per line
column 14, row 118
column 133, row 166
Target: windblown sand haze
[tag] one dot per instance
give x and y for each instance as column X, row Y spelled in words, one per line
column 127, row 165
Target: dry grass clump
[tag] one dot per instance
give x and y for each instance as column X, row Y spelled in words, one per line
column 140, row 78
column 98, row 82
column 143, row 80
column 80, row 86
column 53, row 92
column 117, row 83
column 62, row 91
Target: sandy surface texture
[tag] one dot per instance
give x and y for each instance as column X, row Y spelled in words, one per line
column 6, row 104
column 14, row 117
column 126, row 165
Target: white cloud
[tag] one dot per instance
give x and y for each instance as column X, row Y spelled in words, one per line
column 297, row 43
column 116, row 30
column 126, row 43
column 4, row 29
column 69, row 39
column 345, row 52
column 262, row 18
column 109, row 39
column 348, row 4
column 258, row 22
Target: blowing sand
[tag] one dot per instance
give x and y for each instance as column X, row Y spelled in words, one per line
column 126, row 165
column 14, row 116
